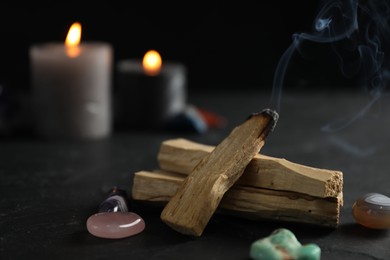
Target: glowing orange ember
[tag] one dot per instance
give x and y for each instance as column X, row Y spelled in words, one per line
column 152, row 63
column 72, row 42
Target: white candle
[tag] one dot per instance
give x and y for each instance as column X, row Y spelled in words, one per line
column 71, row 89
column 150, row 92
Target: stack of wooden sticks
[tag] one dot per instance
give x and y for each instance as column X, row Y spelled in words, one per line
column 267, row 188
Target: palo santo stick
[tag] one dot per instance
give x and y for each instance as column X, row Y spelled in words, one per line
column 192, row 206
column 181, row 156
column 246, row 202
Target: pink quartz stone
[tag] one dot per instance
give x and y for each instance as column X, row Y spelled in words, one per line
column 115, row 224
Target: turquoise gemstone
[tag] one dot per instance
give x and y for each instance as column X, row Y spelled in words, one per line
column 282, row 244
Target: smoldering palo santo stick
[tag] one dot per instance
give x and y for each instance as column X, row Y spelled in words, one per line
column 196, row 200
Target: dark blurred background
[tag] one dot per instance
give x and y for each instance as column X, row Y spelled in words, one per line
column 234, row 46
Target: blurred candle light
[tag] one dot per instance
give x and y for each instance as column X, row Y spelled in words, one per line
column 149, row 92
column 72, row 41
column 152, row 63
column 71, row 87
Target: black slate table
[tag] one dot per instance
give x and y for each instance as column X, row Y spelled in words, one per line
column 48, row 189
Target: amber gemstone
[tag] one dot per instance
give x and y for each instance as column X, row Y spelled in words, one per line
column 372, row 211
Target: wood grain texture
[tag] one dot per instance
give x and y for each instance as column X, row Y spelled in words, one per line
column 182, row 155
column 246, row 202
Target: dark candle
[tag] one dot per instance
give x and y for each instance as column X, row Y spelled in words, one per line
column 148, row 97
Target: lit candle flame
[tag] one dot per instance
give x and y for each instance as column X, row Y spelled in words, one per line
column 72, row 42
column 152, row 63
